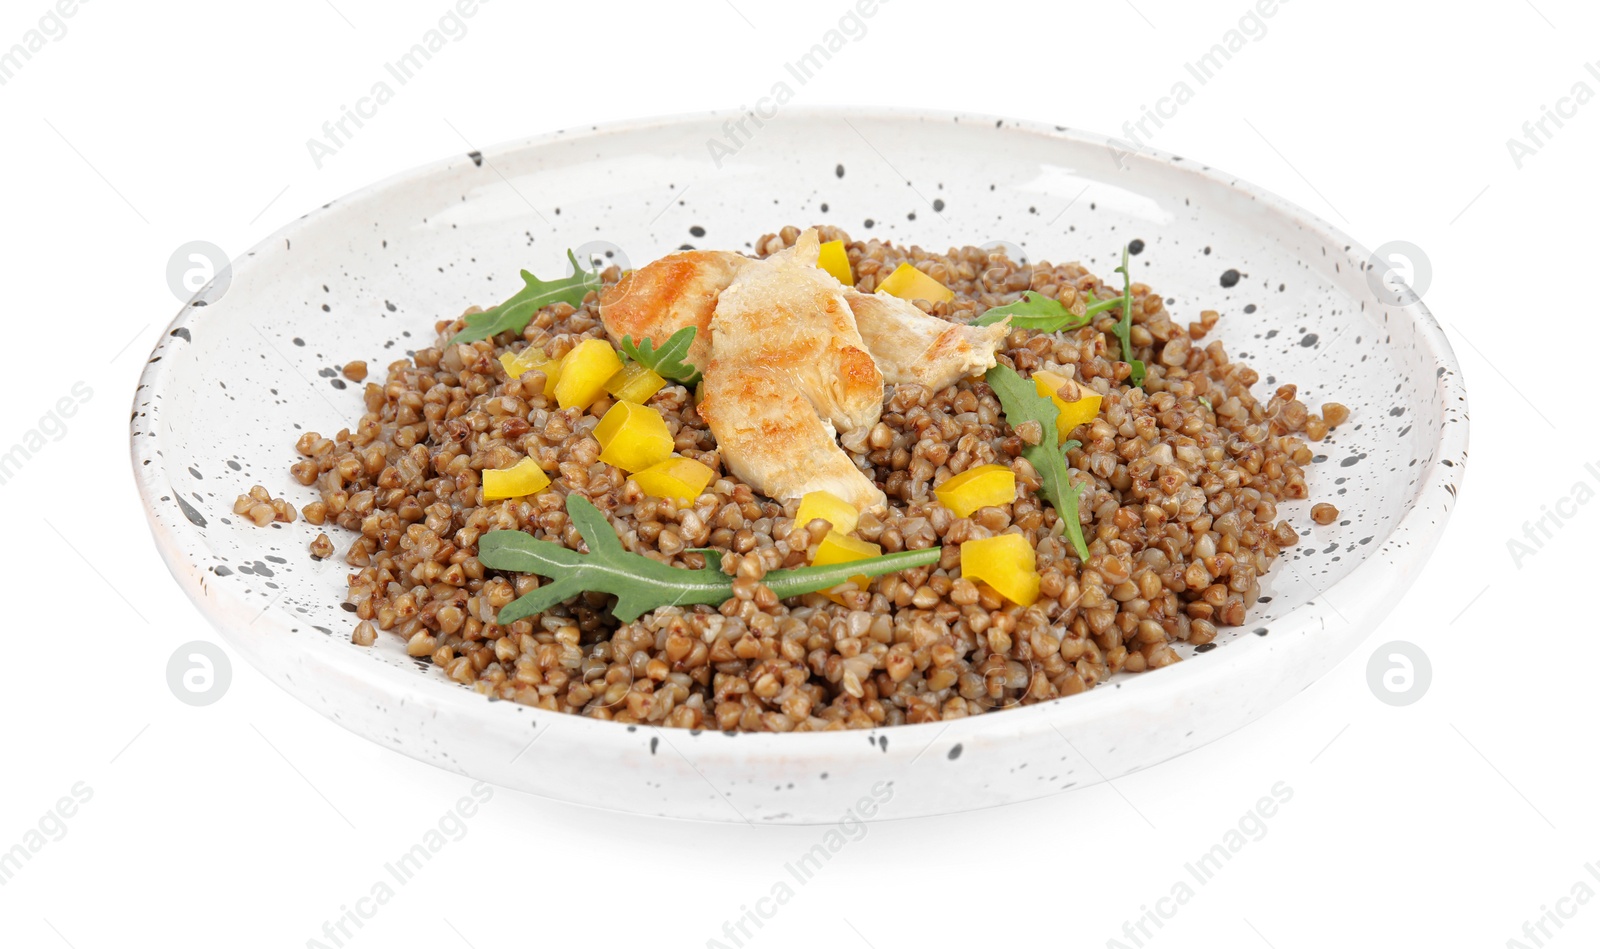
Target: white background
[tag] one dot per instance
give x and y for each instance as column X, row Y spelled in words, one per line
column 251, row 822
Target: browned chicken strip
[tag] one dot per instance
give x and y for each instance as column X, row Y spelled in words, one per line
column 911, row 346
column 666, row 295
column 772, row 437
column 787, row 369
column 907, row 344
column 805, row 359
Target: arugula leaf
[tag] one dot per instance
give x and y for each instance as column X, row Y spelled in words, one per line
column 1124, row 327
column 668, row 361
column 1035, row 311
column 641, row 584
column 513, row 315
column 1023, row 403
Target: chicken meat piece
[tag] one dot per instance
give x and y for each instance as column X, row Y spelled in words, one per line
column 910, row 346
column 788, row 371
column 806, row 363
column 666, row 295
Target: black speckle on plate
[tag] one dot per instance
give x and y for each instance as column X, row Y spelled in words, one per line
column 189, row 512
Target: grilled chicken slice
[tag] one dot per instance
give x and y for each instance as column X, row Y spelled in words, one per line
column 804, row 360
column 788, row 371
column 907, row 344
column 771, row 437
column 666, row 295
column 911, row 346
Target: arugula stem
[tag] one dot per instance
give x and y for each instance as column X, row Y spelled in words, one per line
column 793, row 582
column 1124, row 327
column 1104, row 305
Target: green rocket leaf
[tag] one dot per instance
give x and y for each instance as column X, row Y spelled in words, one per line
column 1035, row 311
column 1023, row 403
column 668, row 361
column 513, row 315
column 641, row 584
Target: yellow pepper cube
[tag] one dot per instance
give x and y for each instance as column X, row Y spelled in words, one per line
column 1069, row 415
column 635, row 383
column 681, row 478
column 633, row 437
column 552, row 372
column 840, row 548
column 840, row 514
column 1006, row 563
column 909, row 283
column 983, row 486
column 584, row 373
column 523, row 478
column 835, row 261
column 518, row 363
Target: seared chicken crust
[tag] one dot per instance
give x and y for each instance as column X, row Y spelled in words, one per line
column 797, row 358
column 788, row 371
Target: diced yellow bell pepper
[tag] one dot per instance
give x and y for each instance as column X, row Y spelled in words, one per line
column 552, row 375
column 529, row 359
column 983, row 486
column 681, row 478
column 835, row 261
column 584, row 373
column 1069, row 415
column 840, row 514
column 635, row 383
column 841, row 548
column 1005, row 562
column 909, row 283
column 518, row 363
column 633, row 437
column 523, row 478
column 552, row 372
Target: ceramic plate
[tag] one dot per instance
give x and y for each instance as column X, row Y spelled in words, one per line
column 250, row 364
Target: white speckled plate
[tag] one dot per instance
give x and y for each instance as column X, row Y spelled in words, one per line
column 242, row 372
